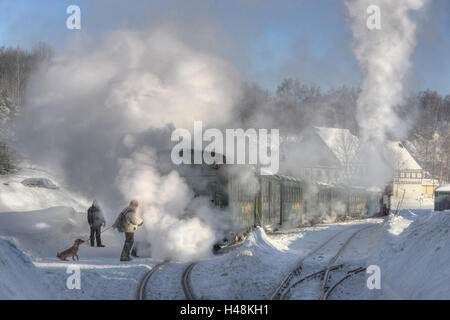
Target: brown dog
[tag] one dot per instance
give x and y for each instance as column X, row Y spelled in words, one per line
column 71, row 252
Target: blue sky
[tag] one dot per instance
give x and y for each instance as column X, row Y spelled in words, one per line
column 267, row 40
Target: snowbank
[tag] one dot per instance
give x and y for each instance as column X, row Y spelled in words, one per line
column 99, row 278
column 19, row 278
column 414, row 254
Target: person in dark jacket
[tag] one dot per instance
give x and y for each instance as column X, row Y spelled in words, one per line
column 96, row 220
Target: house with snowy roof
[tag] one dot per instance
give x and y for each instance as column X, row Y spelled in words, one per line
column 333, row 155
column 320, row 154
column 408, row 173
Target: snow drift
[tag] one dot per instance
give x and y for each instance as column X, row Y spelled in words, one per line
column 19, row 278
column 414, row 255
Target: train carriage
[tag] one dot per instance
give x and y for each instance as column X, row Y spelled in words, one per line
column 339, row 202
column 324, row 198
column 355, row 203
column 242, row 203
column 292, row 201
column 272, row 201
column 442, row 197
column 267, row 211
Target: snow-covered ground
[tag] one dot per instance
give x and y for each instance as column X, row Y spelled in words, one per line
column 16, row 196
column 254, row 270
column 412, row 203
column 411, row 250
column 414, row 256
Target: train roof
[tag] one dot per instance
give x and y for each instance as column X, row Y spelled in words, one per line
column 443, row 188
column 288, row 178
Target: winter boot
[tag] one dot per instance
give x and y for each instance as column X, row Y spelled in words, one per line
column 125, row 259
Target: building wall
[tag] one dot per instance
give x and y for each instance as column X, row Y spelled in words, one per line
column 428, row 189
column 411, row 190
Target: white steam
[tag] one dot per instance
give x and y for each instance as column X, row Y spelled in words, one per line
column 100, row 116
column 176, row 225
column 384, row 56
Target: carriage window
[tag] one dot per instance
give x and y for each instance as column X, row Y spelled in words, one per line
column 236, row 190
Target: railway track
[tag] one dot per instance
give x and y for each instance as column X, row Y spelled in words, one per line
column 287, row 284
column 350, row 274
column 323, row 287
column 310, row 276
column 296, row 271
column 185, row 281
column 144, row 281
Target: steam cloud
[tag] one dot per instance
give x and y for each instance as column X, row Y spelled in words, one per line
column 384, row 56
column 100, row 116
